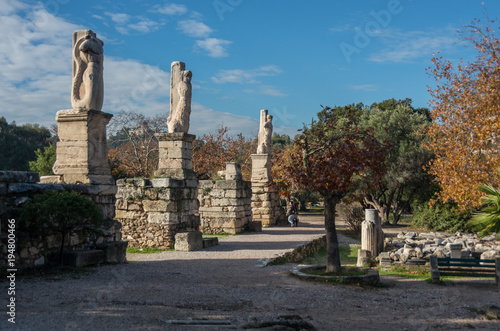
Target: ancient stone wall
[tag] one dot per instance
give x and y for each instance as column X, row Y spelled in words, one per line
column 18, row 187
column 225, row 205
column 152, row 211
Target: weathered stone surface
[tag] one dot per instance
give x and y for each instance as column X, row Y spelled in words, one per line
column 180, row 98
column 114, row 252
column 233, row 171
column 87, row 84
column 19, row 177
column 264, row 144
column 81, row 156
column 83, row 258
column 188, row 241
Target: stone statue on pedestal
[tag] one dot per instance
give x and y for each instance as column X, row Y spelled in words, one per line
column 180, row 98
column 87, row 86
column 265, row 133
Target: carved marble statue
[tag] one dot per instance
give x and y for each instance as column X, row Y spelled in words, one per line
column 265, row 133
column 87, row 86
column 180, row 98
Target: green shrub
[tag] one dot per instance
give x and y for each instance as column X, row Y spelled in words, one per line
column 442, row 217
column 62, row 212
column 44, row 161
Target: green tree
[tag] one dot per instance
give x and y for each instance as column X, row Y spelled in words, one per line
column 402, row 127
column 326, row 158
column 44, row 161
column 279, row 141
column 19, row 143
column 62, row 212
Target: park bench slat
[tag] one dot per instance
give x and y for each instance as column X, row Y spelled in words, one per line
column 464, row 268
column 446, row 259
column 459, row 274
column 488, row 266
column 492, row 272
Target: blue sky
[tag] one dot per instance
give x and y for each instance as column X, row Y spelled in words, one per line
column 288, row 56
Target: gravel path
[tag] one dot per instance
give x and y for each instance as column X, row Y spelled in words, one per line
column 227, row 287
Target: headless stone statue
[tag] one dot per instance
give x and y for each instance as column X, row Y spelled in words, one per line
column 87, row 86
column 265, row 133
column 180, row 98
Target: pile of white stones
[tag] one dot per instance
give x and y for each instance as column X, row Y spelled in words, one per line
column 416, row 248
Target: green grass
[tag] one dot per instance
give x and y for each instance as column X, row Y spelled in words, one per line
column 146, row 250
column 348, row 256
column 408, row 273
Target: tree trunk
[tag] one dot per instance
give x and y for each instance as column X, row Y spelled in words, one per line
column 332, row 243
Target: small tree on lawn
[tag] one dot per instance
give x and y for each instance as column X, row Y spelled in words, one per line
column 62, row 212
column 327, row 158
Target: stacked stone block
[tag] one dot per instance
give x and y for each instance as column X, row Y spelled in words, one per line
column 225, row 205
column 18, row 187
column 152, row 211
column 265, row 198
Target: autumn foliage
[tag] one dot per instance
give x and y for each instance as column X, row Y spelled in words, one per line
column 212, row 151
column 326, row 158
column 465, row 110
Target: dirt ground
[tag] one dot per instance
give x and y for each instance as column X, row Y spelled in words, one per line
column 227, row 287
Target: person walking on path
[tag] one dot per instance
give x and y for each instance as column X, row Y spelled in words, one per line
column 292, row 210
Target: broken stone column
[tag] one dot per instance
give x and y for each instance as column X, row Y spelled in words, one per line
column 370, row 232
column 265, row 198
column 82, row 154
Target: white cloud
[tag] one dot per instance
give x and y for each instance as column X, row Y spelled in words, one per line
column 118, row 18
column 145, row 26
column 173, row 9
column 35, row 80
column 406, row 46
column 194, row 28
column 364, row 87
column 271, row 90
column 126, row 23
column 245, row 76
column 213, row 46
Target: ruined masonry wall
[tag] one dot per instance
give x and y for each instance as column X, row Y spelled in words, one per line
column 18, row 187
column 152, row 211
column 225, row 205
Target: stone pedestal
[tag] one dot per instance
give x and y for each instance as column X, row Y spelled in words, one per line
column 265, row 198
column 82, row 154
column 175, row 153
column 261, row 168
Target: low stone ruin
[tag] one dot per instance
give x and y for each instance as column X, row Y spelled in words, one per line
column 416, row 248
column 18, row 187
column 225, row 205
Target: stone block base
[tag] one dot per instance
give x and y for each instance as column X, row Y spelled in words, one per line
column 114, row 252
column 209, row 242
column 255, row 226
column 188, row 241
column 82, row 154
column 83, row 258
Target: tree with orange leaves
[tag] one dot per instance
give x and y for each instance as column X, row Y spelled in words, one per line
column 326, row 158
column 212, row 151
column 465, row 110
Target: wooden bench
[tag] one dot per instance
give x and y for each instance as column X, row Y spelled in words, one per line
column 464, row 268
